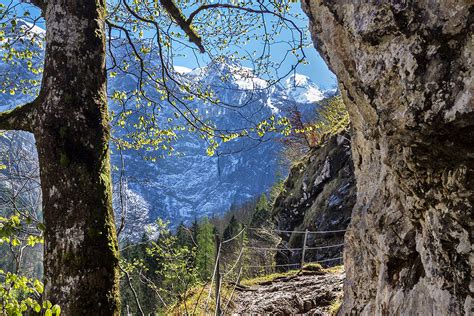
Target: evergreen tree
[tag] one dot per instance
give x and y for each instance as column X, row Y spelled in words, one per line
column 262, row 211
column 232, row 228
column 195, row 230
column 184, row 236
column 206, row 249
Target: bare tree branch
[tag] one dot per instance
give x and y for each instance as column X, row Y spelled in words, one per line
column 38, row 3
column 135, row 296
column 20, row 118
column 184, row 24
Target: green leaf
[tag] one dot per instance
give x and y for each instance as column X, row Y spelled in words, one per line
column 15, row 242
column 56, row 310
column 37, row 308
column 38, row 286
column 47, row 304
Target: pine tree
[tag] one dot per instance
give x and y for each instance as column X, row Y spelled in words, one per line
column 195, row 230
column 262, row 211
column 205, row 256
column 184, row 236
column 232, row 228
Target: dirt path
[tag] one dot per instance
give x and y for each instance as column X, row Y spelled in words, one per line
column 312, row 293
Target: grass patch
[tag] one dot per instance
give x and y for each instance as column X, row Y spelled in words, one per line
column 195, row 300
column 268, row 278
column 334, row 269
column 313, row 267
column 335, row 306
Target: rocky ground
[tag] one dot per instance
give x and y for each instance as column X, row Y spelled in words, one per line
column 309, row 293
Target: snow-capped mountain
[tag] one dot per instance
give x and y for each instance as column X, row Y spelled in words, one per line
column 193, row 184
column 301, row 89
column 196, row 185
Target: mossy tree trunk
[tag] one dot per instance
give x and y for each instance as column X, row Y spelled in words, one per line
column 70, row 122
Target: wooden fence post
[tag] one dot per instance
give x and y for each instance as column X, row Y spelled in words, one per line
column 239, row 263
column 218, row 276
column 304, row 249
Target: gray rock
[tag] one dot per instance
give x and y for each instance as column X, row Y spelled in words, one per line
column 405, row 72
column 325, row 182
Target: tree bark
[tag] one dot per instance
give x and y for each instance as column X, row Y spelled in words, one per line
column 70, row 122
column 72, row 133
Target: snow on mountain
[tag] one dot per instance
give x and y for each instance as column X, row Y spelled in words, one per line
column 30, row 29
column 182, row 70
column 301, row 89
column 193, row 184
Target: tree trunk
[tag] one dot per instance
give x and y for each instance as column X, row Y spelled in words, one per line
column 70, row 122
column 72, row 133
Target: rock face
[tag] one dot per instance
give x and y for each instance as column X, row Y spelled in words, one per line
column 319, row 195
column 405, row 72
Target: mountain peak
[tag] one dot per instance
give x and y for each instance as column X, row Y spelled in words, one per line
column 30, row 29
column 302, row 89
column 298, row 80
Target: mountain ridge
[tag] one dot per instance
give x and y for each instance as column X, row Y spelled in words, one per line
column 195, row 185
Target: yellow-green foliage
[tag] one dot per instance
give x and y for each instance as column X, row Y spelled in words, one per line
column 313, row 267
column 269, row 277
column 334, row 269
column 335, row 306
column 197, row 301
column 333, row 117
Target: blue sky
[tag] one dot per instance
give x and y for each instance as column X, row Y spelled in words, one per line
column 316, row 68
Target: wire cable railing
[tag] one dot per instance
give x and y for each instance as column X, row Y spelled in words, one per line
column 218, row 275
column 298, row 231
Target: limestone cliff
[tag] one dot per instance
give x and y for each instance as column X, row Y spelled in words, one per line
column 405, row 73
column 318, row 195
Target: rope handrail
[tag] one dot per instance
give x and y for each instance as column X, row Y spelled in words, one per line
column 236, row 262
column 230, row 239
column 324, row 247
column 327, row 231
column 291, row 264
column 272, row 265
column 218, row 276
column 276, row 249
column 295, row 249
column 213, row 275
column 326, row 260
column 297, row 231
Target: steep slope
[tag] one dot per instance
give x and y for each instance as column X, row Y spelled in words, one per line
column 318, row 195
column 405, row 71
